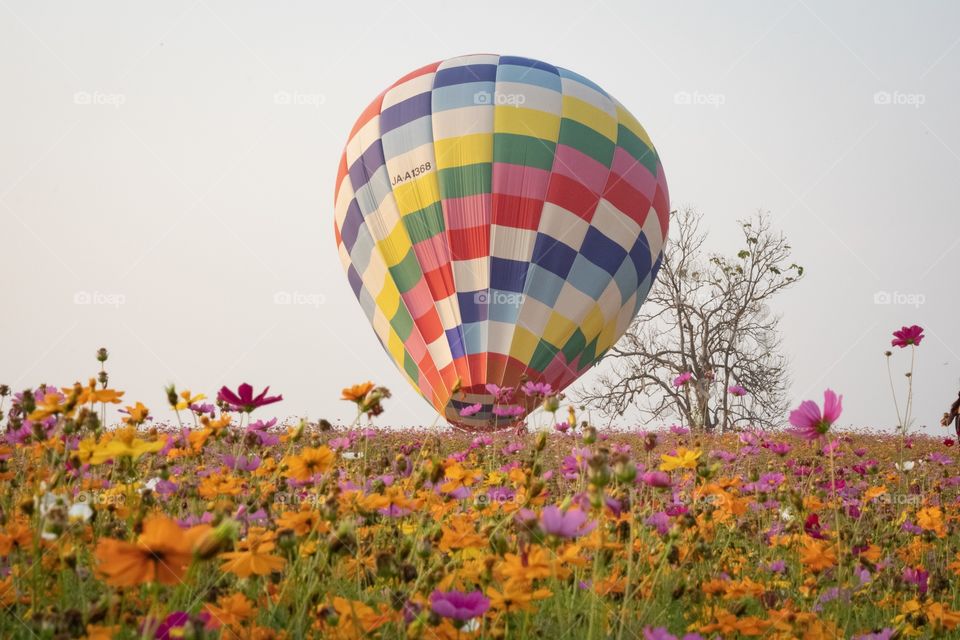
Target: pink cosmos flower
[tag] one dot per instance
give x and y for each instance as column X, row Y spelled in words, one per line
column 458, row 605
column 907, row 336
column 565, row 524
column 736, row 390
column 509, row 411
column 682, row 379
column 809, row 423
column 779, row 448
column 537, row 389
column 470, row 410
column 502, row 394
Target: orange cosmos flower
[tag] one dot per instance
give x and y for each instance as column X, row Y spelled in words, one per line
column 253, row 556
column 16, row 535
column 91, row 394
column 310, row 462
column 98, row 632
column 817, row 555
column 931, row 519
column 300, row 522
column 357, row 392
column 162, row 553
column 137, row 414
column 231, row 611
column 515, row 597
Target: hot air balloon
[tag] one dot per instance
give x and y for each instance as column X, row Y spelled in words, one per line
column 501, row 220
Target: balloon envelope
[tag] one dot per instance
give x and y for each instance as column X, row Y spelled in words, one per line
column 500, row 220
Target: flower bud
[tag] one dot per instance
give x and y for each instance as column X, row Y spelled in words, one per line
column 625, row 471
column 650, row 442
column 218, row 539
column 537, row 488
column 551, row 403
column 102, row 354
column 541, row 443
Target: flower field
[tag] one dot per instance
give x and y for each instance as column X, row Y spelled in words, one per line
column 210, row 519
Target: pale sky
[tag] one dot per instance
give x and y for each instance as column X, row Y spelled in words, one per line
column 167, row 169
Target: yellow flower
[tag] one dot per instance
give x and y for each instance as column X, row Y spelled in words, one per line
column 86, row 449
column 188, row 399
column 48, row 406
column 685, row 459
column 136, row 414
column 123, row 444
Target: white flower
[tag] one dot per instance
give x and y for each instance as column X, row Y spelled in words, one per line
column 786, row 514
column 471, row 625
column 352, row 455
column 150, row 485
column 50, row 501
column 80, row 511
column 907, row 466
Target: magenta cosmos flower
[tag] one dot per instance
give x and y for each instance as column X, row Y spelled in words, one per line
column 458, row 605
column 682, row 379
column 658, row 479
column 244, row 400
column 907, row 336
column 736, row 390
column 807, row 420
column 565, row 524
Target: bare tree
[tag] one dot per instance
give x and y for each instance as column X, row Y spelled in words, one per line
column 706, row 315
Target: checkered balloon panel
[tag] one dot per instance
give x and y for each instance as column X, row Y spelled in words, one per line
column 500, row 219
